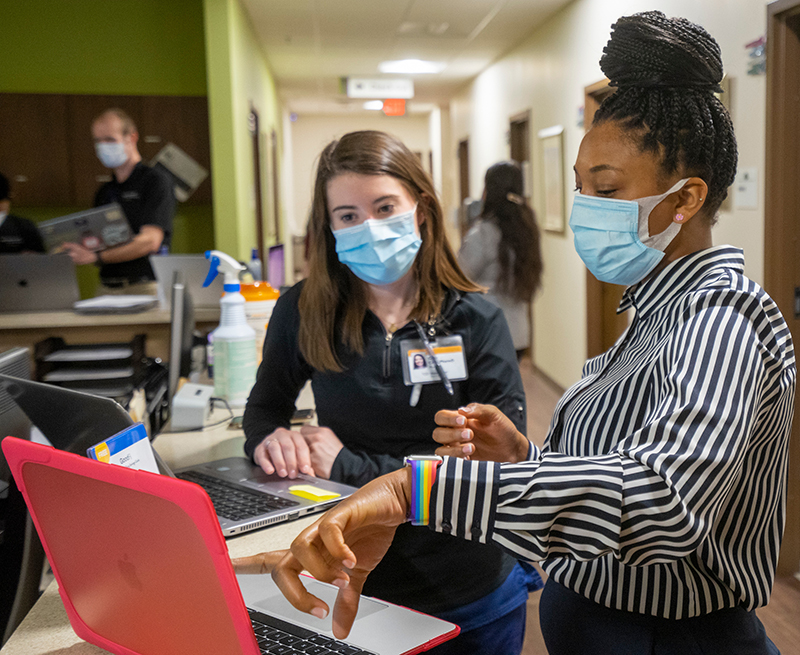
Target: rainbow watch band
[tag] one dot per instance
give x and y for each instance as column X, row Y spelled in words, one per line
column 423, row 475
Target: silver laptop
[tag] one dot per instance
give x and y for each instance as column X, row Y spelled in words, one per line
column 194, row 269
column 95, row 229
column 244, row 496
column 36, row 283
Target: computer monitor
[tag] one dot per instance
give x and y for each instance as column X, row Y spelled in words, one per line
column 275, row 266
column 195, row 270
column 181, row 333
column 13, row 421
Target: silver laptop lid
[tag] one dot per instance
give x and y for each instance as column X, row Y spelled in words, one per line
column 95, row 229
column 194, row 269
column 34, row 282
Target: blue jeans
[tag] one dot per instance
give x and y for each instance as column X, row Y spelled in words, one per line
column 501, row 637
column 573, row 624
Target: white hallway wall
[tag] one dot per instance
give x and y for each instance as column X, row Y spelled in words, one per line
column 546, row 75
column 311, row 133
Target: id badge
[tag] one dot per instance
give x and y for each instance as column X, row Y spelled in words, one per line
column 419, row 368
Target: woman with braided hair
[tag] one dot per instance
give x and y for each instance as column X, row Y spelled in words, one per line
column 501, row 250
column 658, row 501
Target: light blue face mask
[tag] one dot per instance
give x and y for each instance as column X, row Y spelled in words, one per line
column 111, row 155
column 379, row 250
column 613, row 239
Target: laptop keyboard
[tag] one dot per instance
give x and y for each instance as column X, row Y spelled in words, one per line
column 277, row 637
column 234, row 502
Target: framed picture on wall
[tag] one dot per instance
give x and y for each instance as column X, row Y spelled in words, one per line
column 552, row 148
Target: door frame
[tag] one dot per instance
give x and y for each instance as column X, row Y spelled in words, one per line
column 781, row 236
column 254, row 121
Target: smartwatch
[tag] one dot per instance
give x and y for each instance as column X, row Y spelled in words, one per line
column 423, row 475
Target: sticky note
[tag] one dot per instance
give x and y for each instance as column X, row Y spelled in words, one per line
column 310, row 492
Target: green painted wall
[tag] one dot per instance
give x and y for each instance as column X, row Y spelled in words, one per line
column 148, row 47
column 238, row 78
column 139, row 47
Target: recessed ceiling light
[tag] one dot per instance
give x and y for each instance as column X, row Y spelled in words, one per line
column 373, row 105
column 411, row 66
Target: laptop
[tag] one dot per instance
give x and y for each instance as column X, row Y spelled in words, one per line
column 99, row 524
column 194, row 270
column 245, row 497
column 96, row 229
column 37, row 283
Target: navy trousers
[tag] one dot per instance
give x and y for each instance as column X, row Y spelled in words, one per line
column 501, row 637
column 572, row 624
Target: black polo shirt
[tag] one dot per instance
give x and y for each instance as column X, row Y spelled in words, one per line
column 19, row 235
column 147, row 198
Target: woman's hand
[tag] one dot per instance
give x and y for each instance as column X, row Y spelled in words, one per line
column 258, row 564
column 284, row 452
column 344, row 546
column 480, row 432
column 323, row 446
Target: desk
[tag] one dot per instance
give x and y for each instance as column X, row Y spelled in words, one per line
column 27, row 328
column 46, row 629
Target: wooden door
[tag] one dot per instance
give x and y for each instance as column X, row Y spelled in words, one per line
column 520, row 147
column 463, row 182
column 276, row 185
column 603, row 324
column 782, row 207
column 33, row 149
column 255, row 136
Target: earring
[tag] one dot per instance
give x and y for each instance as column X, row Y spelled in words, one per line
column 679, row 218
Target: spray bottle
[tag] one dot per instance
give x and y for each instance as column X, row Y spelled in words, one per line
column 234, row 339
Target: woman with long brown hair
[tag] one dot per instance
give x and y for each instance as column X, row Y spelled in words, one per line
column 501, row 250
column 382, row 282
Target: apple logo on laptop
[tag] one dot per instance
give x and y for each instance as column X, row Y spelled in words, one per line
column 128, row 571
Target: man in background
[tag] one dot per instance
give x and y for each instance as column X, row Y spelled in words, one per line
column 147, row 198
column 17, row 235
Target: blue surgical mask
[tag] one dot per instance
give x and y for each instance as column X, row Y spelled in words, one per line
column 111, row 155
column 613, row 238
column 379, row 250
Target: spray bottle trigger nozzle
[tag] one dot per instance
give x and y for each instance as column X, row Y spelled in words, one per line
column 213, row 270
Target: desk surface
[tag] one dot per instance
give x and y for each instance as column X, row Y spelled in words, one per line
column 46, row 629
column 27, row 320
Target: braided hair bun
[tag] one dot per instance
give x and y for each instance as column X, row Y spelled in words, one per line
column 667, row 71
column 651, row 50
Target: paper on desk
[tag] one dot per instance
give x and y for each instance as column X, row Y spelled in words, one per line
column 115, row 303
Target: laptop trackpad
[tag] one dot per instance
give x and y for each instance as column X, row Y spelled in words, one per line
column 260, row 593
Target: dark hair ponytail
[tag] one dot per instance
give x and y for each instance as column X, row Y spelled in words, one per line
column 667, row 71
column 519, row 253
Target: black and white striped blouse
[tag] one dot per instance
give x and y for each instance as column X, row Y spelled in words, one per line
column 661, row 488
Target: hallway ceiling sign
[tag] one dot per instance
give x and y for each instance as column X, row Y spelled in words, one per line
column 379, row 88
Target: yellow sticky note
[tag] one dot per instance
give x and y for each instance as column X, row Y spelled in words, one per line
column 311, row 492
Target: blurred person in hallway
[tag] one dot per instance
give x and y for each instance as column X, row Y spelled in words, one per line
column 501, row 251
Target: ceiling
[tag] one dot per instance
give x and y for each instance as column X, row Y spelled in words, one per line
column 312, row 44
